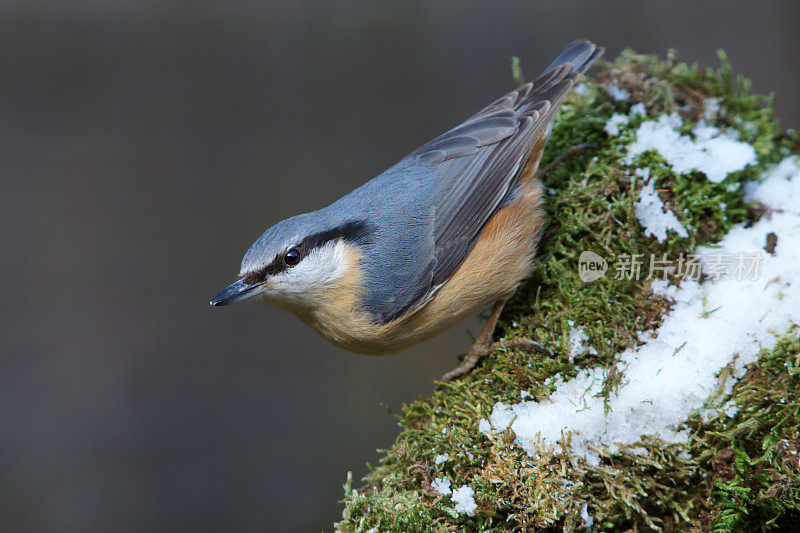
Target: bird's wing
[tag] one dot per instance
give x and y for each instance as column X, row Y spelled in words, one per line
column 475, row 164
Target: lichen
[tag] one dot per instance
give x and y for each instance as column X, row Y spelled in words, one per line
column 734, row 472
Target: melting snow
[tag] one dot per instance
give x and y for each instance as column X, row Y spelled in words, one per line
column 711, row 108
column 581, row 89
column 588, row 521
column 714, row 152
column 441, row 485
column 672, row 374
column 577, row 341
column 613, row 124
column 617, row 93
column 465, row 499
column 781, row 187
column 439, row 459
column 638, row 109
column 653, row 216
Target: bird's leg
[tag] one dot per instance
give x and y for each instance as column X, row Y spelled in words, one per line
column 566, row 154
column 484, row 346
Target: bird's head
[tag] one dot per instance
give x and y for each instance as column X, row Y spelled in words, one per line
column 296, row 261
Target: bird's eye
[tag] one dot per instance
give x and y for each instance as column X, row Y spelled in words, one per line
column 292, row 257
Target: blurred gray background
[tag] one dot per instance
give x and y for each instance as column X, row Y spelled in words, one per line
column 145, row 145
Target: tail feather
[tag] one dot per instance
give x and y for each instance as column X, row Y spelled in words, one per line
column 556, row 81
column 580, row 54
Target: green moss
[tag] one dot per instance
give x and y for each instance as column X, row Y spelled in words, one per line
column 754, row 457
column 590, row 206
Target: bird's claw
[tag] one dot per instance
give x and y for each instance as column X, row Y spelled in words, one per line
column 470, row 360
column 524, row 343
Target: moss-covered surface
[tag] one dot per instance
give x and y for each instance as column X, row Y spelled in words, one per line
column 753, row 458
column 734, row 474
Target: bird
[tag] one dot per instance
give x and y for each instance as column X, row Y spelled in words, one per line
column 447, row 231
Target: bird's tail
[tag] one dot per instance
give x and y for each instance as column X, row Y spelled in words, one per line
column 580, row 54
column 559, row 77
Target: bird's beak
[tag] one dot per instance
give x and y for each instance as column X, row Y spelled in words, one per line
column 235, row 292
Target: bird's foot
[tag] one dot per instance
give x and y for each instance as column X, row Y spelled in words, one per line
column 524, row 343
column 480, row 350
column 470, row 361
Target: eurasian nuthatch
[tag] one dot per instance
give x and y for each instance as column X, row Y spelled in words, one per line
column 451, row 228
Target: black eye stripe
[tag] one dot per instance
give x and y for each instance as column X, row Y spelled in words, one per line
column 355, row 231
column 351, row 231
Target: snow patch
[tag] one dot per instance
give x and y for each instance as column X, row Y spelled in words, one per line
column 653, row 216
column 464, row 497
column 781, row 186
column 581, row 89
column 441, row 485
column 613, row 124
column 588, row 521
column 673, row 373
column 617, row 93
column 714, row 152
column 439, row 459
column 711, row 108
column 578, row 342
column 638, row 110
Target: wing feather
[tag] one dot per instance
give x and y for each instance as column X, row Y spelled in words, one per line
column 476, row 163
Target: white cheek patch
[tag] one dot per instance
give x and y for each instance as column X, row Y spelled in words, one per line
column 321, row 267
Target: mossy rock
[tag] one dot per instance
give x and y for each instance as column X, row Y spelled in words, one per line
column 732, row 473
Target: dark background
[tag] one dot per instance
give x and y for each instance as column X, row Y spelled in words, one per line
column 145, row 145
